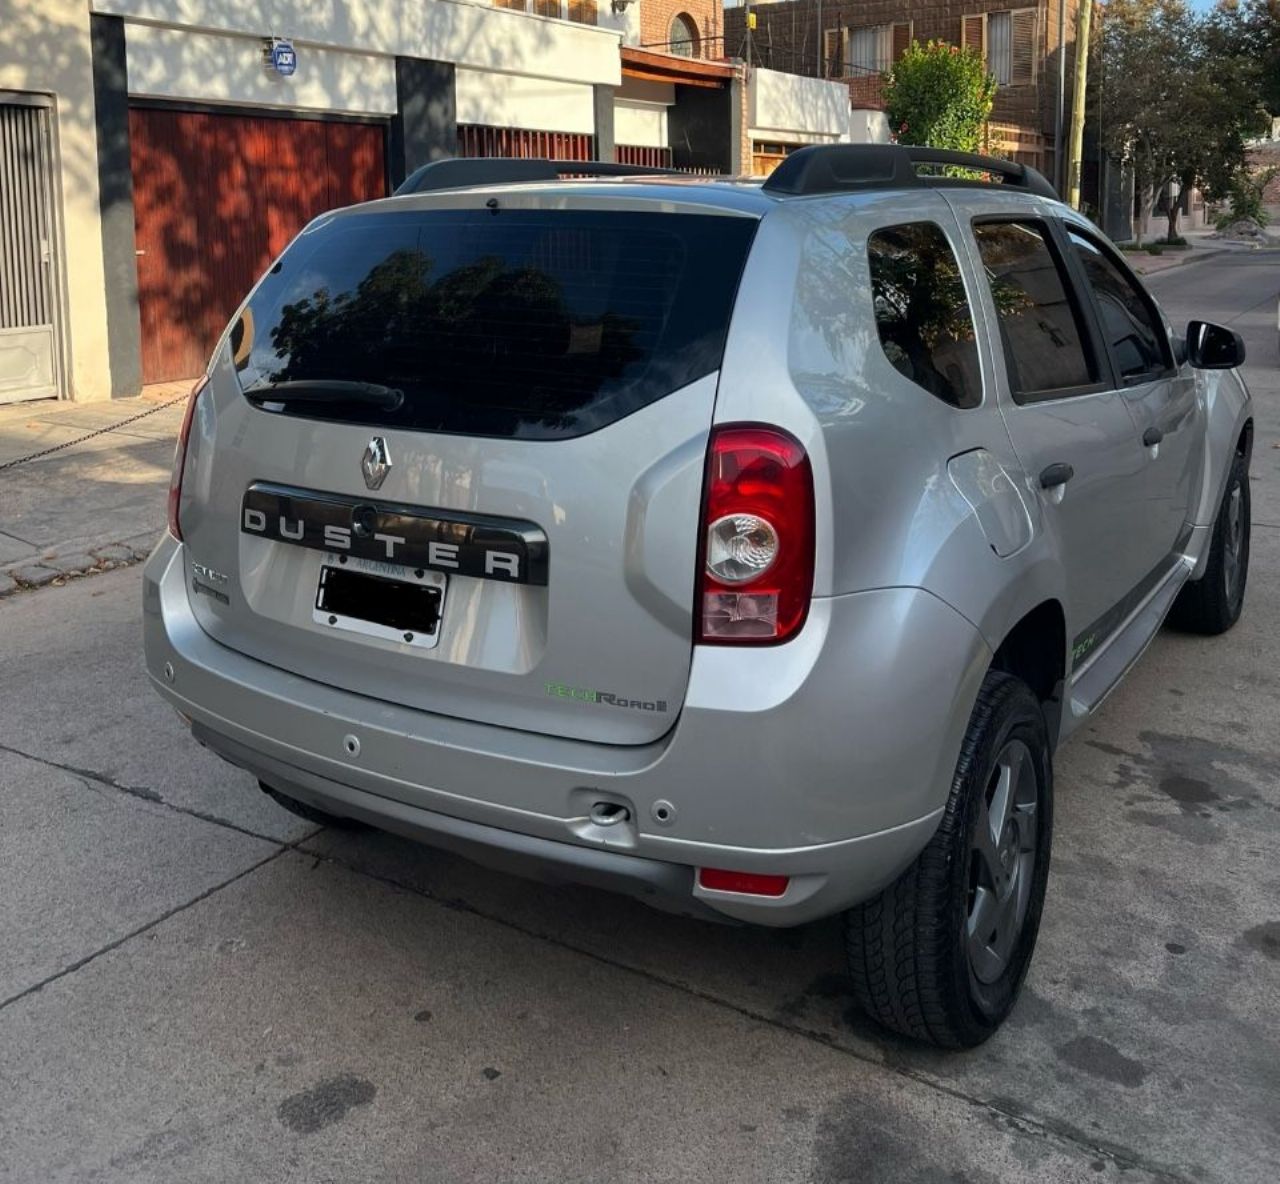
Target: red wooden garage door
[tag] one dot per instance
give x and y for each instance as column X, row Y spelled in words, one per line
column 216, row 198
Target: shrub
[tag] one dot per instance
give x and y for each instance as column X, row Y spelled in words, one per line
column 1245, row 192
column 940, row 96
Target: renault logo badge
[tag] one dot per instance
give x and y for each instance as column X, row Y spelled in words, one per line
column 376, row 463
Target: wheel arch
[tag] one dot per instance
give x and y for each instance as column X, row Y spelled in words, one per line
column 1035, row 650
column 1228, row 433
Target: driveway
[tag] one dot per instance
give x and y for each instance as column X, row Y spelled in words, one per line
column 197, row 986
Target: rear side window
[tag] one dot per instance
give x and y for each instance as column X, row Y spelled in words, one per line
column 1129, row 321
column 1044, row 342
column 536, row 324
column 922, row 312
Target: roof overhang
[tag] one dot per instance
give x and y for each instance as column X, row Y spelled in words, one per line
column 667, row 67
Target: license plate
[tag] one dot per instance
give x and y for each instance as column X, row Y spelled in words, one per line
column 384, row 600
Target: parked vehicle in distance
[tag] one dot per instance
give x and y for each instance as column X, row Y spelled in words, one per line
column 748, row 548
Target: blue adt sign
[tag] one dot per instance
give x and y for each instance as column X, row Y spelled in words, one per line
column 284, row 59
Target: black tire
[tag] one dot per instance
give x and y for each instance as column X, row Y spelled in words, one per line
column 909, row 949
column 310, row 813
column 1212, row 604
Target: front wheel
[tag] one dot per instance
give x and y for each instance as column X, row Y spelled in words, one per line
column 940, row 954
column 1213, row 603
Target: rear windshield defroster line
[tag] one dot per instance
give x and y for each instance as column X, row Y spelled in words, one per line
column 538, row 324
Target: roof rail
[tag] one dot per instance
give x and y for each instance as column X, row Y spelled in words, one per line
column 462, row 172
column 837, row 168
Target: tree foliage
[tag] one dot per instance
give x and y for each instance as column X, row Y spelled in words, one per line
column 939, row 95
column 1178, row 94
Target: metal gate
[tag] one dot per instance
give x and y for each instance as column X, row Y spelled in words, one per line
column 29, row 340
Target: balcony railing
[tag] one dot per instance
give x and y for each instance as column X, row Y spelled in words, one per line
column 706, row 49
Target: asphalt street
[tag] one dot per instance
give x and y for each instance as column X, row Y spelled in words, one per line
column 194, row 985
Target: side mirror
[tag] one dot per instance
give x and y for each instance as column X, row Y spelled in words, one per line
column 1213, row 347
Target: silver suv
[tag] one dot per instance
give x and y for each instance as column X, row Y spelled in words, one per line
column 747, row 548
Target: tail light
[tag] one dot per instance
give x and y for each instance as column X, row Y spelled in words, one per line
column 180, row 458
column 756, row 576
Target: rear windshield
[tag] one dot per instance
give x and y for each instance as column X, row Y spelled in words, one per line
column 531, row 323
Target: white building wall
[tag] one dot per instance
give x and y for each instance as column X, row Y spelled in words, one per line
column 470, row 34
column 640, row 112
column 212, row 67
column 641, row 124
column 792, row 108
column 44, row 48
column 538, row 104
column 868, row 127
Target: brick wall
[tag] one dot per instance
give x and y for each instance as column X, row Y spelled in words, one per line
column 787, row 38
column 656, row 17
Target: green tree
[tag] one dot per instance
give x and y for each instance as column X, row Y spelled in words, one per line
column 940, row 96
column 1249, row 30
column 1178, row 96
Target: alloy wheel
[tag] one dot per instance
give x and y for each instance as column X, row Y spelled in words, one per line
column 1002, row 862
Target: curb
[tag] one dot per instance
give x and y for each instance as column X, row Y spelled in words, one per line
column 52, row 569
column 1191, row 256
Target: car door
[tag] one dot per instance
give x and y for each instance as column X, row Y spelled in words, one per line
column 1161, row 400
column 1068, row 424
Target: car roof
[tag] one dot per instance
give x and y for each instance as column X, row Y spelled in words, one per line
column 743, row 196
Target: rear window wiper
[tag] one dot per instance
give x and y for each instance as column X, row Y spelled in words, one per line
column 326, row 390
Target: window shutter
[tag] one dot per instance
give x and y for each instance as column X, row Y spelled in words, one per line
column 583, row 11
column 547, row 7
column 518, row 5
column 1023, row 71
column 832, row 58
column 973, row 34
column 901, row 39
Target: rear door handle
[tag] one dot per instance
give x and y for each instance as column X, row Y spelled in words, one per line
column 1151, row 437
column 1055, row 475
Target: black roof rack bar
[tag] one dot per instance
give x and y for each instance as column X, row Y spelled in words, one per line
column 836, row 168
column 462, row 172
column 1022, row 176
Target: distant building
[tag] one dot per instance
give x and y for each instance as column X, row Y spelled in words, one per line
column 157, row 155
column 858, row 42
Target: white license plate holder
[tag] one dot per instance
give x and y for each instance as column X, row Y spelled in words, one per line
column 381, row 600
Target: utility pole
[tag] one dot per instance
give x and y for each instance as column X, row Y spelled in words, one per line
column 1083, row 21
column 751, row 24
column 822, row 64
column 1059, row 178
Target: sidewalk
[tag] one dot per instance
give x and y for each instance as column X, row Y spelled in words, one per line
column 1202, row 243
column 98, row 500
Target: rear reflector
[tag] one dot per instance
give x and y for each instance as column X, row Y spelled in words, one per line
column 748, row 883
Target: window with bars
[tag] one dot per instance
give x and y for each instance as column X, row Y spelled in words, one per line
column 872, row 49
column 1007, row 42
column 833, row 52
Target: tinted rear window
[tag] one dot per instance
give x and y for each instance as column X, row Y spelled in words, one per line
column 537, row 324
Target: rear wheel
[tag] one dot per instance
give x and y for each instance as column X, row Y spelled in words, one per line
column 940, row 954
column 1212, row 604
column 310, row 813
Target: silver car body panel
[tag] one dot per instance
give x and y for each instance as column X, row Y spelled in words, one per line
column 828, row 758
column 753, row 723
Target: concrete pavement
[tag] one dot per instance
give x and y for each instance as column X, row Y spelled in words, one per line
column 90, row 497
column 197, row 986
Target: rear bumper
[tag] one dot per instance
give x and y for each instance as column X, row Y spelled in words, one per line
column 867, row 761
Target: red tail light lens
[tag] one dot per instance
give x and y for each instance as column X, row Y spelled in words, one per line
column 748, row 883
column 180, row 458
column 756, row 574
